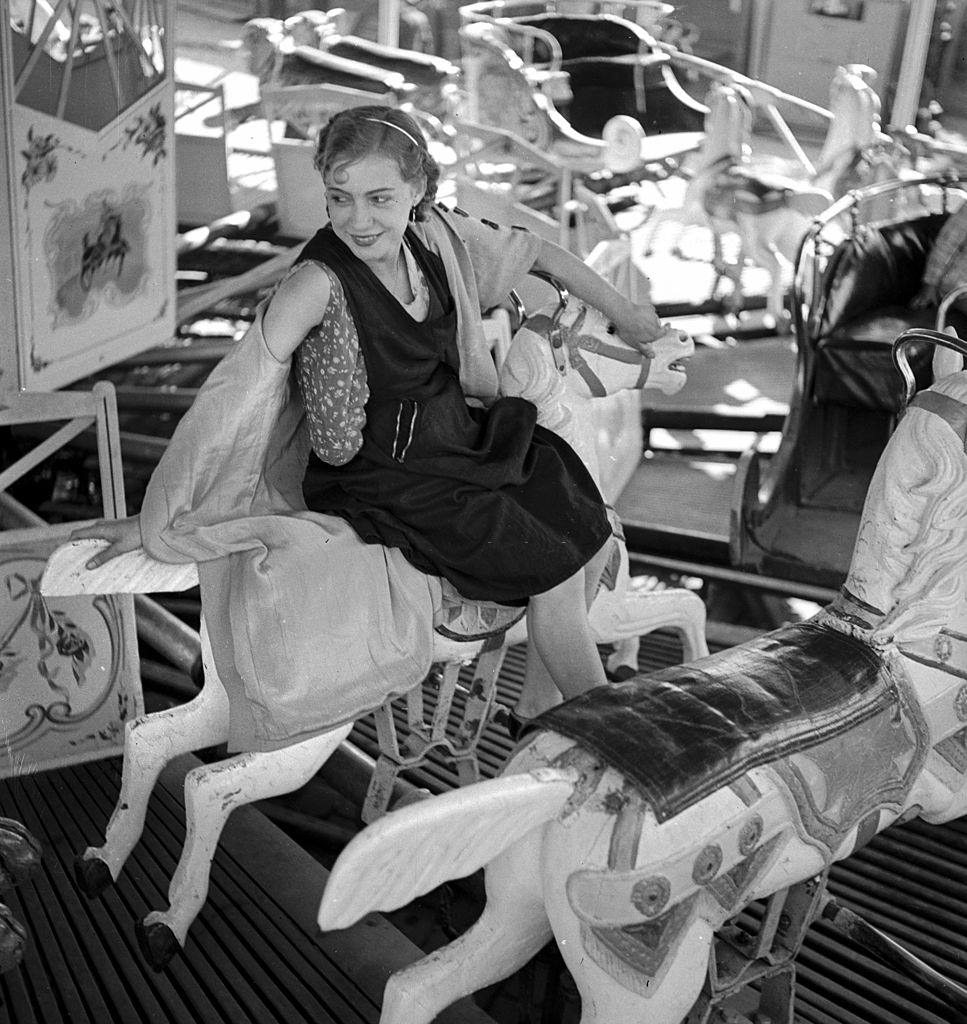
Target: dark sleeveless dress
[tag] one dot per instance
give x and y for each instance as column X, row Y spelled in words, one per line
column 499, row 506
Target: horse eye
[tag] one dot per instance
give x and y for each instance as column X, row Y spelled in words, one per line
column 612, row 329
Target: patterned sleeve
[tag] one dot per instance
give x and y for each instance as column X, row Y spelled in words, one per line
column 331, row 375
column 501, row 256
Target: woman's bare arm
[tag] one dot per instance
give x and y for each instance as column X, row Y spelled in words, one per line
column 637, row 324
column 297, row 306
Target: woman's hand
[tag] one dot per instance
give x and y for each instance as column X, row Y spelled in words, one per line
column 123, row 535
column 929, row 295
column 640, row 326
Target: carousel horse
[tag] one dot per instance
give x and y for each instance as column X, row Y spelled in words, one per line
column 590, row 360
column 767, row 202
column 639, row 818
column 19, row 858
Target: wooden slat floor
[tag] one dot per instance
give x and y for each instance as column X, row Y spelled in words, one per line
column 253, row 956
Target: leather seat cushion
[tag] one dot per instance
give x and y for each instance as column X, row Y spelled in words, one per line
column 684, row 732
column 854, row 364
column 874, row 269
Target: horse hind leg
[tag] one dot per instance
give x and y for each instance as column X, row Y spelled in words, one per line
column 512, row 929
column 150, row 742
column 212, row 792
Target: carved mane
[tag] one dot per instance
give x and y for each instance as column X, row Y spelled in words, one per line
column 911, row 547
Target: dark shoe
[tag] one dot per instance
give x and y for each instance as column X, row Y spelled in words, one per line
column 515, row 724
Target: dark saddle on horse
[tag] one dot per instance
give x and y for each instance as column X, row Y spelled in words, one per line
column 684, row 732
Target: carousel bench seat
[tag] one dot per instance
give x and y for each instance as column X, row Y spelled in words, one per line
column 614, row 68
column 874, row 277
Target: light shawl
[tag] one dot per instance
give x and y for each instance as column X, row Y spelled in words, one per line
column 310, row 627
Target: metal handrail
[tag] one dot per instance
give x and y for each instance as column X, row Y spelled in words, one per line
column 906, row 339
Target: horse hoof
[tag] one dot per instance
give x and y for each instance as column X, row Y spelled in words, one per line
column 93, row 875
column 13, row 940
column 621, row 673
column 157, row 943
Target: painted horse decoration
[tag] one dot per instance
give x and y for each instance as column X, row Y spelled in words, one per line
column 586, row 359
column 640, row 817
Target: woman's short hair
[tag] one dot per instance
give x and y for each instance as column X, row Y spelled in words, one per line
column 359, row 132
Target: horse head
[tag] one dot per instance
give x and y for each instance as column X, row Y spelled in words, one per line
column 852, row 141
column 567, row 354
column 907, row 572
column 728, row 126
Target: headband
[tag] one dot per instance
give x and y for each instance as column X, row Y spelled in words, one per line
column 389, row 124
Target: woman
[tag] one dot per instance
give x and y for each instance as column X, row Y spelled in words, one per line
column 411, row 445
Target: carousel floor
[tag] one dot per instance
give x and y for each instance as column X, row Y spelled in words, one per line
column 254, row 955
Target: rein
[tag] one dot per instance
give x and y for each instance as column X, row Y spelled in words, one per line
column 951, row 410
column 577, row 342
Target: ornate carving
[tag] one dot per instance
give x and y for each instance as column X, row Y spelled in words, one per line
column 650, row 895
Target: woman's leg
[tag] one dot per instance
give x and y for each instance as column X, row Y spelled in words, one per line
column 562, row 658
column 557, row 625
column 539, row 692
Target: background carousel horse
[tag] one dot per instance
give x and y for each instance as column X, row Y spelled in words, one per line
column 601, row 363
column 768, row 201
column 19, row 858
column 640, row 817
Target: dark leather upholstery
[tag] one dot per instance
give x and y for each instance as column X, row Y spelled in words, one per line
column 585, row 35
column 602, row 54
column 684, row 732
column 873, row 278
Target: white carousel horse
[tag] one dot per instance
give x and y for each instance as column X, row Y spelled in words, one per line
column 632, row 848
column 768, row 202
column 589, row 362
column 213, row 791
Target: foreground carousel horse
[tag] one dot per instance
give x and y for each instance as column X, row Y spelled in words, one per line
column 586, row 360
column 640, row 817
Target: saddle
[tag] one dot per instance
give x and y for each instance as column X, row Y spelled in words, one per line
column 683, row 732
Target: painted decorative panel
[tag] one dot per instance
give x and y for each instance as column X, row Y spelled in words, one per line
column 69, row 670
column 87, row 88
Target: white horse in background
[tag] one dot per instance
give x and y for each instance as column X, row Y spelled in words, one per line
column 632, row 853
column 769, row 202
column 590, row 360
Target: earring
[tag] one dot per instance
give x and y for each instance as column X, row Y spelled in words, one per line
column 412, row 213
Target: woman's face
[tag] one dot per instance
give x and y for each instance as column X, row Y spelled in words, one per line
column 369, row 207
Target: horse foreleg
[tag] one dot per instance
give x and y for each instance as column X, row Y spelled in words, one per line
column 511, row 930
column 212, row 792
column 150, row 742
